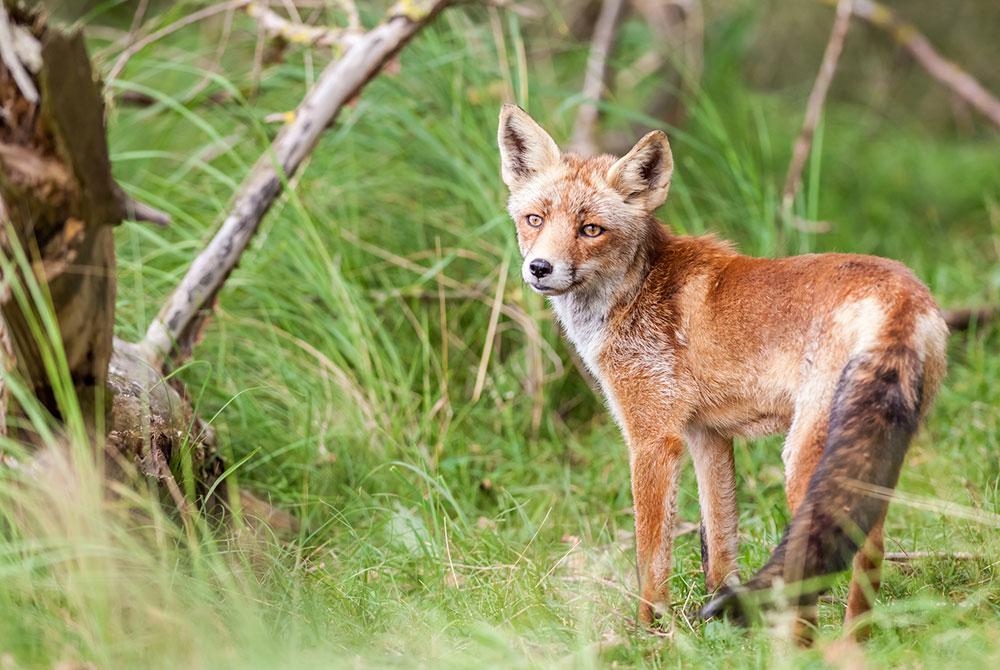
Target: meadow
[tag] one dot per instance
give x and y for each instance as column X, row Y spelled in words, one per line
column 462, row 493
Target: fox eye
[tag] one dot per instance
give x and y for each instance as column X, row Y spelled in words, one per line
column 534, row 220
column 591, row 230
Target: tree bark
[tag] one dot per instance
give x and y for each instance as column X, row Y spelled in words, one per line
column 55, row 179
column 58, row 259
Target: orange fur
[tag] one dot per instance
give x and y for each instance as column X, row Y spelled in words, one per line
column 693, row 341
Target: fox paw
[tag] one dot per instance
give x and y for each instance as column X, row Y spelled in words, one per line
column 726, row 604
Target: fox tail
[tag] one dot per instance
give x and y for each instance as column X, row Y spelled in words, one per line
column 875, row 412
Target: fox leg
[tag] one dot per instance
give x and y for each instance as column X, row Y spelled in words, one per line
column 655, row 468
column 802, row 452
column 865, row 581
column 715, row 470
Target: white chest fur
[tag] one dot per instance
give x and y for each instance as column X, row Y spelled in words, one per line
column 584, row 320
column 585, row 325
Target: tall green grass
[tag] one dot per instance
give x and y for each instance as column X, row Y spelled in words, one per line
column 343, row 357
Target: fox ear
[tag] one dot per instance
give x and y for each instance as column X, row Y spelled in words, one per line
column 643, row 173
column 525, row 149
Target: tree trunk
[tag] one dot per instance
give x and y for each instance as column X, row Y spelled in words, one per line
column 60, row 208
column 55, row 180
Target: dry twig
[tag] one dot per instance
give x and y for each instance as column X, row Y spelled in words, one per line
column 906, row 556
column 593, row 86
column 136, row 210
column 276, row 25
column 137, row 18
column 814, row 107
column 179, row 322
column 963, row 318
column 946, row 72
column 491, row 332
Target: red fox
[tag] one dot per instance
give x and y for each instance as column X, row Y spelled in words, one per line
column 693, row 343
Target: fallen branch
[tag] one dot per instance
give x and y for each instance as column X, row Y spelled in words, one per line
column 593, row 85
column 176, row 328
column 58, row 206
column 963, row 318
column 814, row 107
column 906, row 556
column 152, row 420
column 135, row 210
column 945, row 71
column 683, row 527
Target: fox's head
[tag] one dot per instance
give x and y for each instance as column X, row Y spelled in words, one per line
column 580, row 221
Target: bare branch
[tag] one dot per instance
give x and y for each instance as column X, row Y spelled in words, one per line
column 276, row 25
column 962, row 318
column 353, row 18
column 593, row 84
column 946, row 72
column 135, row 210
column 814, row 107
column 137, row 18
column 178, row 324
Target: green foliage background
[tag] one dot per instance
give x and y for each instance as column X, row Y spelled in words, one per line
column 340, row 365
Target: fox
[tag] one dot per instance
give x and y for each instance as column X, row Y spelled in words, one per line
column 693, row 344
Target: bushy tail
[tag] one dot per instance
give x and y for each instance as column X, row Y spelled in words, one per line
column 875, row 412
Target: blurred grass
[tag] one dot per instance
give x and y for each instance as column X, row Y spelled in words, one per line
column 342, row 357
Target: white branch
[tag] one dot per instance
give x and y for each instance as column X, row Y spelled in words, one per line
column 179, row 322
column 10, row 57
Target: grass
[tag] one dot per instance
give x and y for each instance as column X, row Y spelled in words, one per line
column 341, row 363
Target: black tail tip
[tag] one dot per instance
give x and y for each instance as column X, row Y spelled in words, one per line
column 726, row 605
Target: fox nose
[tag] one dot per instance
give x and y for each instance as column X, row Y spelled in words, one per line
column 540, row 268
